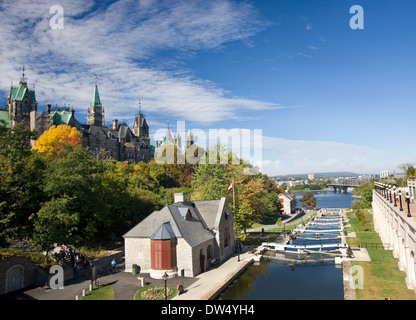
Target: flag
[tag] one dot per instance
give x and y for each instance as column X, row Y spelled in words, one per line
column 96, row 78
column 231, row 186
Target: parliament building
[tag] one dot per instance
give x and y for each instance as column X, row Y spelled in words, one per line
column 118, row 141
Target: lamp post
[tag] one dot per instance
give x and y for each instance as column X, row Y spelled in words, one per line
column 400, row 196
column 408, row 204
column 394, row 195
column 165, row 277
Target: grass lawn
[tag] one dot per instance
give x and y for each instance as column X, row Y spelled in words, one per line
column 101, row 292
column 382, row 277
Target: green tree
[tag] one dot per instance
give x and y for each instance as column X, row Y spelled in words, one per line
column 408, row 169
column 365, row 190
column 55, row 222
column 208, row 183
column 361, row 217
column 308, row 200
column 19, row 180
column 78, row 177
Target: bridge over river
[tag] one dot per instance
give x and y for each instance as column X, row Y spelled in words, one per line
column 342, row 185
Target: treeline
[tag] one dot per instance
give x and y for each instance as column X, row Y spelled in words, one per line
column 321, row 185
column 69, row 196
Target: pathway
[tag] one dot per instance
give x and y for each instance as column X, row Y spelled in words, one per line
column 290, row 221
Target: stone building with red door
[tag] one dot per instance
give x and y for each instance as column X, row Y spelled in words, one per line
column 185, row 237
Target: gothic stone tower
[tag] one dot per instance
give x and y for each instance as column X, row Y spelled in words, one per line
column 22, row 104
column 95, row 115
column 140, row 127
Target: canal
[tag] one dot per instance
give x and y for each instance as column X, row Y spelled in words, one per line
column 293, row 277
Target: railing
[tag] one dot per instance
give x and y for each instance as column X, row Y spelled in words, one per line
column 375, row 246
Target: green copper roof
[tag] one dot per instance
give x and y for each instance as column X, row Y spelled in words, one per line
column 4, row 115
column 19, row 93
column 96, row 97
column 63, row 117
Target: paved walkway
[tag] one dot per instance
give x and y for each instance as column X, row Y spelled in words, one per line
column 126, row 284
column 289, row 221
column 209, row 284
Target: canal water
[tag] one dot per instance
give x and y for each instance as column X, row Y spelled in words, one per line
column 293, row 277
column 327, row 199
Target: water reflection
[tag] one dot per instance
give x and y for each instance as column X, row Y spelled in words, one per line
column 293, row 278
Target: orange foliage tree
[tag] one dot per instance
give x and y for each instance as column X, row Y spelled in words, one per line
column 58, row 139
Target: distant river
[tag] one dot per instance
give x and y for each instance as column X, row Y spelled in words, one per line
column 327, row 199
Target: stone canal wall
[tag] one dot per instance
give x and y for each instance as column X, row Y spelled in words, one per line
column 398, row 233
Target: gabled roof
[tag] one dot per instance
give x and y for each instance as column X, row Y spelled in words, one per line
column 287, row 195
column 195, row 230
column 140, row 121
column 63, row 117
column 18, row 94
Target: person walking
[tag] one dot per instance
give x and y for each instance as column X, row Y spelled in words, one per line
column 113, row 266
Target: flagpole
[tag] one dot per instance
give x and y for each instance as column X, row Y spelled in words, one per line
column 233, row 198
column 238, row 244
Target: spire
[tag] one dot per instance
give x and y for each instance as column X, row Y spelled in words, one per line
column 95, row 115
column 23, row 80
column 96, row 98
column 168, row 136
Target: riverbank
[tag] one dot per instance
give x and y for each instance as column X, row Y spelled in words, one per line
column 211, row 283
column 381, row 277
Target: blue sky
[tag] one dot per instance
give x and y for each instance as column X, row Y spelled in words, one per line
column 326, row 97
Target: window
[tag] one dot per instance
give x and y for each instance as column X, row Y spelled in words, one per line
column 25, row 106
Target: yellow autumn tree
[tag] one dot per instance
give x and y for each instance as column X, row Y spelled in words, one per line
column 57, row 139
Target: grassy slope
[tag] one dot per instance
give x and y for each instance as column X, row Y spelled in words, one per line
column 382, row 277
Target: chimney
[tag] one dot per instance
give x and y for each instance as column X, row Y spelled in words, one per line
column 48, row 108
column 115, row 124
column 179, row 197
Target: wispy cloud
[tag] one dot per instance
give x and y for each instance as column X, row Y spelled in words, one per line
column 281, row 156
column 128, row 44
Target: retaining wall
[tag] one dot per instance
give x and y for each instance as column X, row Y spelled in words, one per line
column 398, row 233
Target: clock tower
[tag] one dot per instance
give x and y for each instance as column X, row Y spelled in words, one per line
column 95, row 115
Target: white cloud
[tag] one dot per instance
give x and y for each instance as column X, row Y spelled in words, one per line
column 302, row 156
column 125, row 44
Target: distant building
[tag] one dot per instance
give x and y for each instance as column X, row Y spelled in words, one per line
column 118, row 141
column 384, row 174
column 185, row 235
column 288, row 203
column 311, row 176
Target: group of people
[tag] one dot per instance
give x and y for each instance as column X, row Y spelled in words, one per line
column 77, row 259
